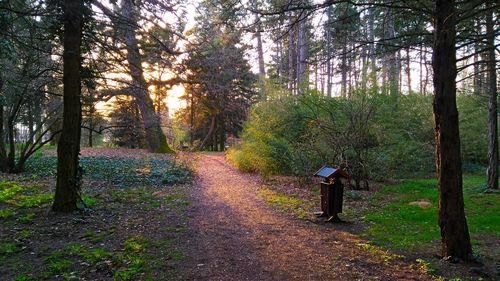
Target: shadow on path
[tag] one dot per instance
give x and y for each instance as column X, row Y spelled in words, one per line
column 236, row 236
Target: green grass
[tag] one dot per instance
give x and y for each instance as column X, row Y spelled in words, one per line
column 8, row 248
column 96, row 255
column 396, row 224
column 6, row 213
column 285, row 203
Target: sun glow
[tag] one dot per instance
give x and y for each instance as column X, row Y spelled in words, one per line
column 173, row 99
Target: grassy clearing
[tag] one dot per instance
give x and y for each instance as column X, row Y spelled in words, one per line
column 397, row 224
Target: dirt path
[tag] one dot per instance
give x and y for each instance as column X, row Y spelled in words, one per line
column 236, row 236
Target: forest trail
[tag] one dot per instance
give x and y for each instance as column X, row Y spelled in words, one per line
column 236, row 236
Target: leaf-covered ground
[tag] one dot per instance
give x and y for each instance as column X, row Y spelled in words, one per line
column 131, row 230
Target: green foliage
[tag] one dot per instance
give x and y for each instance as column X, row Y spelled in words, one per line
column 25, row 234
column 6, row 213
column 96, row 255
column 372, row 136
column 23, row 277
column 225, row 87
column 119, row 171
column 473, row 130
column 8, row 248
column 22, row 196
column 135, row 267
column 57, row 263
column 8, row 190
column 417, row 226
column 27, row 218
column 129, row 129
column 178, row 256
column 136, row 244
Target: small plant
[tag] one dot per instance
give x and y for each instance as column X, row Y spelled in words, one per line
column 56, row 263
column 30, row 201
column 76, row 249
column 136, row 244
column 23, row 277
column 8, row 190
column 96, row 255
column 8, row 248
column 135, row 267
column 25, row 234
column 178, row 256
column 6, row 213
column 89, row 201
column 27, row 218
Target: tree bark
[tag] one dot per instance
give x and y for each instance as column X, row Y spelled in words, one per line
column 3, row 152
column 371, row 46
column 302, row 83
column 67, row 186
column 155, row 137
column 343, row 69
column 260, row 49
column 421, row 71
column 452, row 221
column 394, row 67
column 260, row 54
column 408, row 69
column 478, row 66
column 209, row 134
column 11, row 156
column 291, row 56
column 492, row 170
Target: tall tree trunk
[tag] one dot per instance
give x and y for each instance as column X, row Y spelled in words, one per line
column 279, row 54
column 222, row 133
column 329, row 51
column 155, row 138
column 392, row 58
column 427, row 75
column 421, row 72
column 211, row 130
column 191, row 120
column 478, row 67
column 67, row 186
column 3, row 152
column 452, row 221
column 371, row 47
column 11, row 156
column 343, row 69
column 302, row 81
column 260, row 49
column 493, row 102
column 291, row 55
column 408, row 69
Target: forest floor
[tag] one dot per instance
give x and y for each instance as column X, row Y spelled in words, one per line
column 147, row 219
column 134, row 228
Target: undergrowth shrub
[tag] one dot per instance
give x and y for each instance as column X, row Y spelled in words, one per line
column 123, row 171
column 372, row 136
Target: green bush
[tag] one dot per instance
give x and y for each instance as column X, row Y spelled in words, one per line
column 371, row 135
